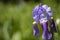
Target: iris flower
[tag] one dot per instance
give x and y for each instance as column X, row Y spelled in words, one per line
column 37, row 14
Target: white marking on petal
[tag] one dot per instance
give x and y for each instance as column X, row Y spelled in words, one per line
column 34, row 22
column 51, row 17
column 45, row 6
column 43, row 20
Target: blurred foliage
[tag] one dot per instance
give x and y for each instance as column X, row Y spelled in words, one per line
column 14, row 1
column 16, row 19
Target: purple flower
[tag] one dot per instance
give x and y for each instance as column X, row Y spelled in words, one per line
column 46, row 34
column 52, row 25
column 35, row 30
column 38, row 13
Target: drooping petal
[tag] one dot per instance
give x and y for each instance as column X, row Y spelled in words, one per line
column 35, row 30
column 52, row 25
column 46, row 34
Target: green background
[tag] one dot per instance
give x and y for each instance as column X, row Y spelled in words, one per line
column 16, row 19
